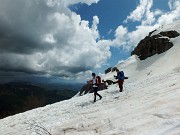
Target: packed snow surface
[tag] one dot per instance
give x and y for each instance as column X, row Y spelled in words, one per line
column 149, row 104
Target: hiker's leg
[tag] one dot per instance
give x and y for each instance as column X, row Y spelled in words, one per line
column 120, row 82
column 121, row 88
column 95, row 93
column 99, row 95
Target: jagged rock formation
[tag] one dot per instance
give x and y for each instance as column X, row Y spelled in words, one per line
column 103, row 86
column 155, row 44
column 87, row 88
column 114, row 69
column 108, row 70
column 109, row 82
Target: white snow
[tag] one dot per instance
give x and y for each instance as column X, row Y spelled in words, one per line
column 149, row 105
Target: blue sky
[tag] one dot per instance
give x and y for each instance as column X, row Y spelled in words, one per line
column 111, row 14
column 67, row 40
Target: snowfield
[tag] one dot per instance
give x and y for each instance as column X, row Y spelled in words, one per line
column 149, row 104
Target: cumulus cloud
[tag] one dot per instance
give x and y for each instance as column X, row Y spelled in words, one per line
column 141, row 9
column 71, row 2
column 171, row 16
column 149, row 20
column 120, row 35
column 173, row 4
column 44, row 37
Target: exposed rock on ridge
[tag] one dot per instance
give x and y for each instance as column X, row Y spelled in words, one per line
column 155, row 44
column 108, row 70
column 87, row 88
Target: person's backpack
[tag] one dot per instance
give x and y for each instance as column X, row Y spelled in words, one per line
column 98, row 80
column 121, row 75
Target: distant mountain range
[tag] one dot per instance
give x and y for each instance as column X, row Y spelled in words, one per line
column 49, row 86
column 16, row 97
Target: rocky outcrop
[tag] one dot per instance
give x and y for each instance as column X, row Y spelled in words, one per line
column 87, row 88
column 103, row 86
column 170, row 34
column 108, row 70
column 109, row 82
column 155, row 44
column 114, row 69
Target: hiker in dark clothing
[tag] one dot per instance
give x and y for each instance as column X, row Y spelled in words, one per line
column 95, row 82
column 120, row 76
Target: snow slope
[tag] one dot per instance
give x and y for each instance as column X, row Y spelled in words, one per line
column 149, row 105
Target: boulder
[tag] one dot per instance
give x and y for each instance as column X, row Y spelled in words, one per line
column 87, row 88
column 114, row 69
column 103, row 86
column 109, row 82
column 155, row 44
column 108, row 70
column 170, row 34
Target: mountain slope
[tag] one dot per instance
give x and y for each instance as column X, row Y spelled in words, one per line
column 149, row 104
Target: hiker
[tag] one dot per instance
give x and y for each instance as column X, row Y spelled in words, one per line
column 95, row 82
column 120, row 76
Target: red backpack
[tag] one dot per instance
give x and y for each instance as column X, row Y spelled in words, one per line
column 98, row 80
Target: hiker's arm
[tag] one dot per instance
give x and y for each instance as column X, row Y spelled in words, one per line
column 90, row 81
column 116, row 77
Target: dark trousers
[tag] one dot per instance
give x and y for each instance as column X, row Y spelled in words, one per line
column 95, row 93
column 120, row 82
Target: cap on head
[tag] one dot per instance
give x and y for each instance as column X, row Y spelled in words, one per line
column 93, row 74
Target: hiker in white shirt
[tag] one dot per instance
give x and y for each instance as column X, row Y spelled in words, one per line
column 95, row 84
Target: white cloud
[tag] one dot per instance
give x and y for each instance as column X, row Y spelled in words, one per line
column 120, row 36
column 141, row 9
column 149, row 20
column 173, row 4
column 158, row 12
column 70, row 2
column 45, row 37
column 95, row 28
column 127, row 40
column 171, row 16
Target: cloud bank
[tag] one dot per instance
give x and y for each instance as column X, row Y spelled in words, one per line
column 45, row 37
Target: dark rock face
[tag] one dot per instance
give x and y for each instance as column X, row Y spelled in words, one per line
column 114, row 69
column 109, row 82
column 88, row 88
column 155, row 44
column 85, row 89
column 108, row 70
column 170, row 34
column 102, row 86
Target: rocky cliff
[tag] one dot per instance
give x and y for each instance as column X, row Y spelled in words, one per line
column 154, row 44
